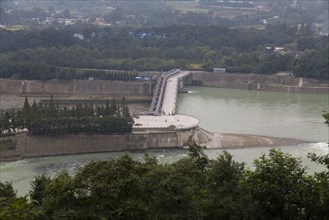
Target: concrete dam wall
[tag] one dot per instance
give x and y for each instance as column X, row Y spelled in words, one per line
column 74, row 87
column 260, row 82
column 25, row 146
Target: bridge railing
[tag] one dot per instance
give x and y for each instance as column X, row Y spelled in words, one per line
column 156, row 94
column 155, row 107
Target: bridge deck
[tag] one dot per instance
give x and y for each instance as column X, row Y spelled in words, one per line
column 163, row 107
column 170, row 94
column 165, row 92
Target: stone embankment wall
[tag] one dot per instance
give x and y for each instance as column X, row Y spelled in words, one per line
column 24, row 145
column 74, row 87
column 258, row 82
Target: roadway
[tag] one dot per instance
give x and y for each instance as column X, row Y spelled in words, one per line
column 163, row 106
column 170, row 93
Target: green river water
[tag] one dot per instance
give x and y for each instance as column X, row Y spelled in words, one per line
column 221, row 110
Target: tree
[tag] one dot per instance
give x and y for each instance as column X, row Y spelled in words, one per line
column 5, row 125
column 26, row 112
column 229, row 195
column 39, row 185
column 113, row 108
column 101, row 190
column 322, row 179
column 176, row 191
column 51, row 108
column 280, row 187
column 35, row 113
column 59, row 200
column 312, row 64
column 7, row 191
column 13, row 207
column 196, row 153
column 326, row 118
column 107, row 110
column 125, row 110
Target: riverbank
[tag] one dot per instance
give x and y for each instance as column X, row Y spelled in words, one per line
column 259, row 82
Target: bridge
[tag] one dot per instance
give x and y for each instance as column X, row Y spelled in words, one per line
column 162, row 112
column 162, row 125
column 165, row 92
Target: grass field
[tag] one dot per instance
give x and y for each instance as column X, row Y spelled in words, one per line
column 195, row 66
column 193, row 6
column 15, row 28
column 186, row 6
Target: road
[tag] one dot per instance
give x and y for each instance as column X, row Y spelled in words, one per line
column 170, row 94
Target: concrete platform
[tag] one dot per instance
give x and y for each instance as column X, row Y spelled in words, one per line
column 173, row 122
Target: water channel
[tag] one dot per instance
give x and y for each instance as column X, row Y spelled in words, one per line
column 221, row 110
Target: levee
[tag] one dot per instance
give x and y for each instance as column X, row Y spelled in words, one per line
column 260, row 82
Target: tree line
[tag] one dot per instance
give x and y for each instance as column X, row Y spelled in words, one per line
column 52, row 120
column 194, row 187
column 42, row 54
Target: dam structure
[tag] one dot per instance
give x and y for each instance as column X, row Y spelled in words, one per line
column 162, row 125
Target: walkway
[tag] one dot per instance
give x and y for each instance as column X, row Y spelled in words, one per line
column 170, row 95
column 163, row 122
column 165, row 92
column 163, row 107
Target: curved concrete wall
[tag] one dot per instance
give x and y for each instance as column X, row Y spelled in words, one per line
column 35, row 146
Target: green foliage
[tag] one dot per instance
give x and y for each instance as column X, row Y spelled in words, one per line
column 322, row 178
column 160, row 48
column 229, row 195
column 123, row 188
column 38, row 188
column 13, row 207
column 326, row 118
column 7, row 191
column 281, row 188
column 5, row 124
column 196, row 153
column 19, row 208
column 50, row 120
column 59, row 196
column 313, row 64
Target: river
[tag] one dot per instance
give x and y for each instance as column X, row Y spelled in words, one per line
column 290, row 115
column 221, row 110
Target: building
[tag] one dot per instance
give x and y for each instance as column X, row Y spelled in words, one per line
column 219, row 70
